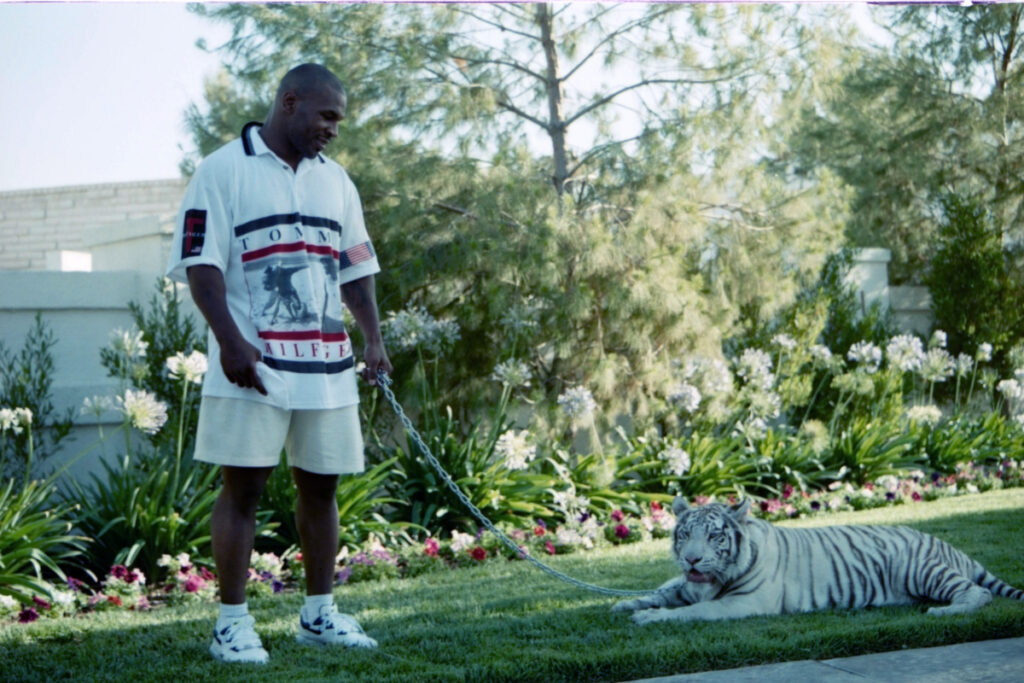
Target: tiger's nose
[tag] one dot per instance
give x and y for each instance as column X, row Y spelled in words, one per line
column 692, row 560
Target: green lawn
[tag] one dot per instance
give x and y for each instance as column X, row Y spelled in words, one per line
column 508, row 622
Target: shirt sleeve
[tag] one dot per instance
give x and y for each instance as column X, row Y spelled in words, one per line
column 357, row 258
column 202, row 233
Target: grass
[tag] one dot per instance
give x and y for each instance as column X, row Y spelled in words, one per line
column 508, row 622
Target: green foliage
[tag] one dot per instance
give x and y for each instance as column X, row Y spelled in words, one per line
column 975, row 296
column 865, row 451
column 166, row 330
column 144, row 507
column 26, row 381
column 360, row 502
column 36, row 540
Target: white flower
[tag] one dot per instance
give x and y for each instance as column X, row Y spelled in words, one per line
column 461, row 541
column 938, row 365
column 569, row 502
column 97, row 405
column 129, row 343
column 191, row 368
column 677, row 460
column 142, row 410
column 415, row 327
column 821, row 353
column 929, row 415
column 905, row 352
column 765, row 404
column 755, row 429
column 784, row 341
column 964, row 365
column 866, row 355
column 523, row 316
column 938, row 340
column 888, row 482
column 755, row 367
column 577, row 402
column 15, row 419
column 512, row 373
column 686, row 395
column 715, row 377
column 984, row 353
column 517, row 453
column 1011, row 389
column 8, row 604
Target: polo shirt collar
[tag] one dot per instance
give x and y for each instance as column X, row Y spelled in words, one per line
column 254, row 145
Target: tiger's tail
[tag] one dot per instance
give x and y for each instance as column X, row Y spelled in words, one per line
column 999, row 587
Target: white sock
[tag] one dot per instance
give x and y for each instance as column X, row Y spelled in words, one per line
column 232, row 612
column 315, row 602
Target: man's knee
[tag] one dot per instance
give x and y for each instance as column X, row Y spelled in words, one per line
column 243, row 487
column 315, row 488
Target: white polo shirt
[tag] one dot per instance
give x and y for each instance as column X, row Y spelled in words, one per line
column 285, row 241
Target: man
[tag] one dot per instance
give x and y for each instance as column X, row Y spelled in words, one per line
column 269, row 202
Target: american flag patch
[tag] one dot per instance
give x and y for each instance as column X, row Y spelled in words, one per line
column 357, row 254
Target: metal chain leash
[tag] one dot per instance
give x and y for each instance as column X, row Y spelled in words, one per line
column 384, row 382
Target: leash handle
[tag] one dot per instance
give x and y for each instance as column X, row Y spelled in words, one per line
column 384, row 382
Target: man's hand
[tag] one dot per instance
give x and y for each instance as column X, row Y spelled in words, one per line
column 376, row 359
column 240, row 361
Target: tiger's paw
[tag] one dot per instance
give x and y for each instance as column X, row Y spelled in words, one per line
column 626, row 606
column 648, row 616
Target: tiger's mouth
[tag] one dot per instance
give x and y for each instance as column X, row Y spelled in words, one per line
column 696, row 577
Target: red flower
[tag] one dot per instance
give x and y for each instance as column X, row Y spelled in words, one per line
column 431, row 547
column 655, row 506
column 206, row 574
column 538, row 530
column 194, row 584
column 550, row 547
column 915, row 496
column 787, row 491
column 42, row 604
column 298, row 557
column 622, row 531
column 28, row 615
column 869, row 486
column 132, row 576
column 618, row 516
column 115, row 600
column 119, row 571
column 478, row 554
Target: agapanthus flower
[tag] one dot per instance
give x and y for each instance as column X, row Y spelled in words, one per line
column 784, row 341
column 929, row 414
column 764, row 404
column 190, row 368
column 97, row 405
column 1011, row 389
column 755, row 367
column 866, row 355
column 984, row 354
column 129, row 344
column 15, row 420
column 142, row 410
column 686, row 396
column 677, row 460
column 938, row 340
column 514, row 449
column 938, row 365
column 905, row 352
column 964, row 365
column 415, row 327
column 821, row 353
column 512, row 373
column 577, row 402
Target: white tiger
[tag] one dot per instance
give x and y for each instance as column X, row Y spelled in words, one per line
column 737, row 566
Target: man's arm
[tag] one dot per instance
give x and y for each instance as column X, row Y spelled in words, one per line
column 361, row 298
column 237, row 356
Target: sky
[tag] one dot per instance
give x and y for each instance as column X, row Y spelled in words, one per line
column 96, row 92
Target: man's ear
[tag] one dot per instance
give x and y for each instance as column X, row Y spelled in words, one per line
column 289, row 100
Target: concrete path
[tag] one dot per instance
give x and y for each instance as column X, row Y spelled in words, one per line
column 988, row 661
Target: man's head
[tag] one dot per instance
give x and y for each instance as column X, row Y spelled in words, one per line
column 310, row 103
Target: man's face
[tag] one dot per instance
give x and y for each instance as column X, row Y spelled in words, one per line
column 314, row 121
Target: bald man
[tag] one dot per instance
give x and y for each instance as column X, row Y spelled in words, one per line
column 270, row 202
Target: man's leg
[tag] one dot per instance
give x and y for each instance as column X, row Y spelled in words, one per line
column 316, row 515
column 233, row 528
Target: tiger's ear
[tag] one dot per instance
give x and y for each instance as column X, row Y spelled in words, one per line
column 679, row 505
column 739, row 510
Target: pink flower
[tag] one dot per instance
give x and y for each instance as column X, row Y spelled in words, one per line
column 28, row 615
column 655, row 506
column 431, row 547
column 550, row 547
column 194, row 584
column 538, row 530
column 131, row 577
column 787, row 491
column 478, row 554
column 142, row 604
column 206, row 574
column 622, row 531
column 618, row 516
column 118, row 571
column 42, row 604
column 915, row 496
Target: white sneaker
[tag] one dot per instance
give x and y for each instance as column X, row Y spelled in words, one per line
column 238, row 642
column 332, row 628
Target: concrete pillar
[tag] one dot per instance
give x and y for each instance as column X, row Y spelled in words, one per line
column 869, row 275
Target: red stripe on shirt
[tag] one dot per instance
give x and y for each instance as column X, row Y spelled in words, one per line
column 303, row 335
column 288, row 248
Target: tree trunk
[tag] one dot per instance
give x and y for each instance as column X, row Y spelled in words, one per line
column 556, row 127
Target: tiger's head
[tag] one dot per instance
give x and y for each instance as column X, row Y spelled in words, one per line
column 707, row 539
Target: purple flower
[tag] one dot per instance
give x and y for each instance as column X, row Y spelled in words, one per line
column 889, row 495
column 622, row 531
column 75, row 585
column 277, row 585
column 342, row 576
column 815, row 505
column 28, row 615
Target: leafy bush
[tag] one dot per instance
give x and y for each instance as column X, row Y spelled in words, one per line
column 26, row 380
column 974, row 295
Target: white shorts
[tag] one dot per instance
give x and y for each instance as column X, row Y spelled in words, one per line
column 244, row 433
